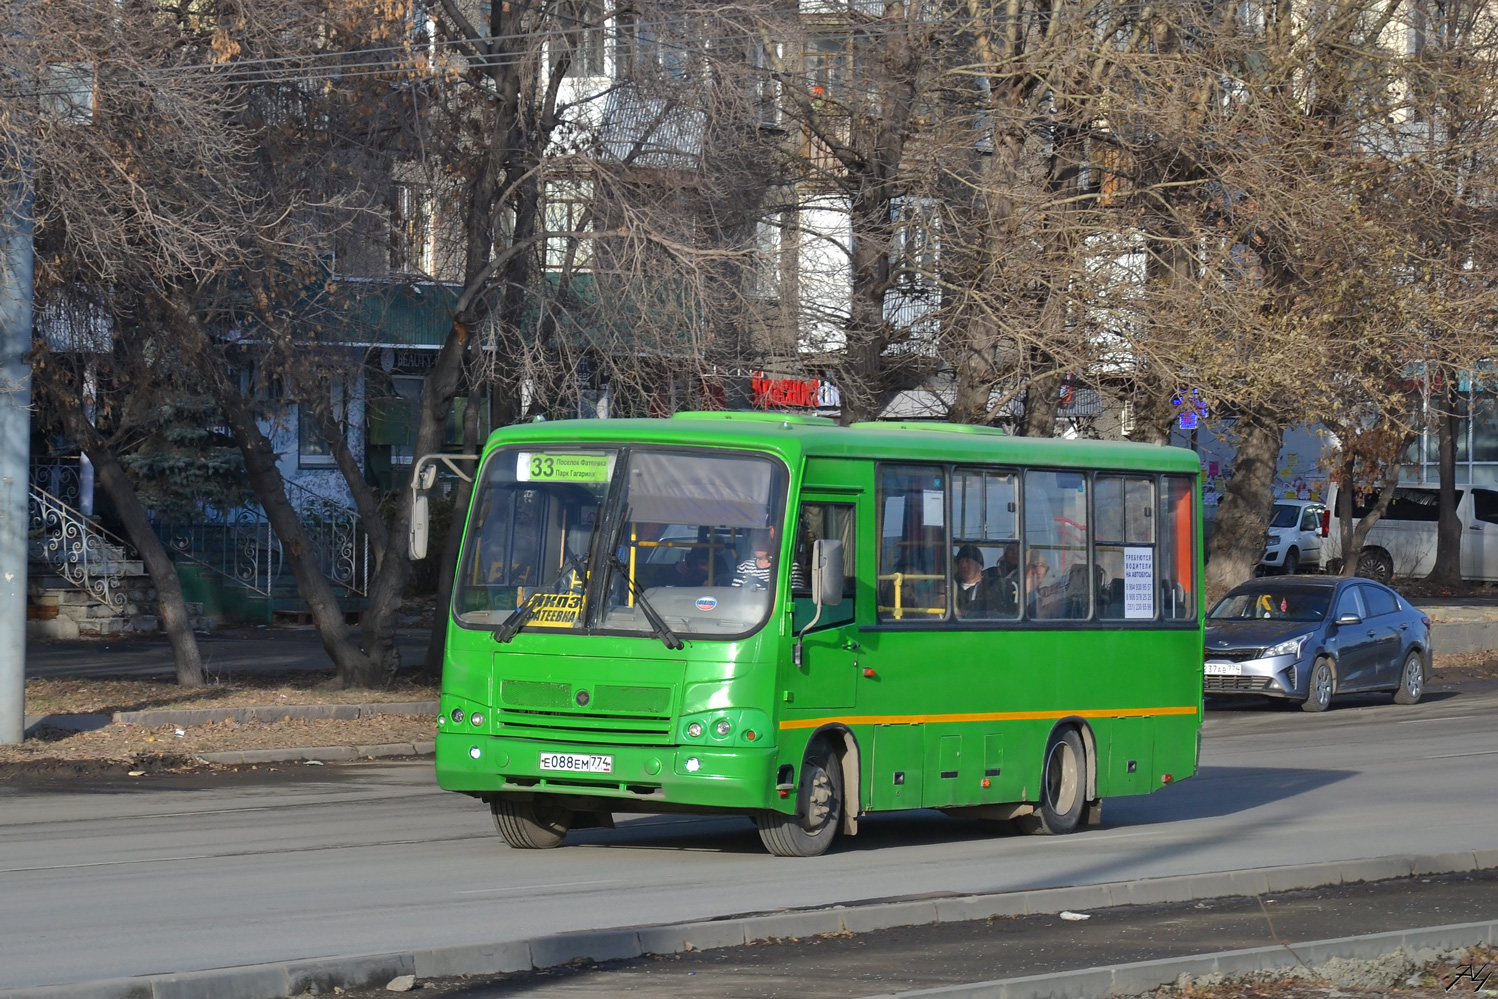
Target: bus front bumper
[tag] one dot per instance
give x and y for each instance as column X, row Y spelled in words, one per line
column 740, row 779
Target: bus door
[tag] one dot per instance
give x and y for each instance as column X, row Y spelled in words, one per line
column 828, row 672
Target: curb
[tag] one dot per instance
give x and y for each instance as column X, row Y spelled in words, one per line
column 273, row 981
column 319, row 754
column 1144, row 976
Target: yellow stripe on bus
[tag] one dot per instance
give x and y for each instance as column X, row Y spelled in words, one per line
column 989, row 716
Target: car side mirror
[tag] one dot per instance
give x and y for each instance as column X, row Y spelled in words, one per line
column 1349, row 619
column 827, row 572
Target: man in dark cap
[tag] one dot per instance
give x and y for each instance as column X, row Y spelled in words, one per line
column 974, row 596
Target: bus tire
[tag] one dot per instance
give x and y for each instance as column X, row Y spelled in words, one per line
column 819, row 809
column 530, row 825
column 1063, row 787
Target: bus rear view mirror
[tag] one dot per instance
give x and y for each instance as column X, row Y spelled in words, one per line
column 827, row 572
column 420, row 526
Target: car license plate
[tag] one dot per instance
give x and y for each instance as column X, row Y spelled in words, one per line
column 577, row 763
column 1224, row 669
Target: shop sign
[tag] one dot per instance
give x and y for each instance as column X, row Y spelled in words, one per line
column 808, row 393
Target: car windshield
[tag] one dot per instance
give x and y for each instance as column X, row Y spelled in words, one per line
column 690, row 545
column 1272, row 603
column 1284, row 515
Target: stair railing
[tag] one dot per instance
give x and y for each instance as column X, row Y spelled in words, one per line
column 84, row 554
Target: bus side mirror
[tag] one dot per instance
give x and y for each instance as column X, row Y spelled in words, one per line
column 827, row 573
column 420, row 526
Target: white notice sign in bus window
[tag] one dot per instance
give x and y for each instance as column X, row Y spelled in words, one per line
column 1139, row 583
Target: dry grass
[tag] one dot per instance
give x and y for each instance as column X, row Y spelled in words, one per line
column 129, row 742
column 90, row 696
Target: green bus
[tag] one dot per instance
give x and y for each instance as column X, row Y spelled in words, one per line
column 780, row 617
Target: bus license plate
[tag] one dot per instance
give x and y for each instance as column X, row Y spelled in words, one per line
column 1224, row 669
column 578, row 763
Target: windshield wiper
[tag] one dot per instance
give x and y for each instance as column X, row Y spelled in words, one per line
column 510, row 626
column 658, row 624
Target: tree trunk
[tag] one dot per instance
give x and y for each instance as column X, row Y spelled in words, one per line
column 1365, row 524
column 388, row 586
column 364, row 497
column 1042, row 400
column 1448, row 568
column 353, row 667
column 448, row 567
column 1243, row 516
column 172, row 605
column 1350, row 555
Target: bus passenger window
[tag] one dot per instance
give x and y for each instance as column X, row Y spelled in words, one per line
column 1176, row 571
column 985, row 545
column 1125, row 547
column 912, row 543
column 1059, row 582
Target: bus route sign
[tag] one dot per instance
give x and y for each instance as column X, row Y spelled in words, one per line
column 561, row 466
column 555, row 610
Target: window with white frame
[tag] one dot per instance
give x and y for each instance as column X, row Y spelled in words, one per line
column 585, row 37
column 566, row 214
column 413, row 230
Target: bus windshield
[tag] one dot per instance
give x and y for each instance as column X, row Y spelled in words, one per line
column 691, row 542
column 694, row 544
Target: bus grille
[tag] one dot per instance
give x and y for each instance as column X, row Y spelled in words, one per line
column 578, row 726
column 530, row 694
column 1236, row 684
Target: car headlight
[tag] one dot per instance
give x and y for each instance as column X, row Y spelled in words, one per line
column 1289, row 647
column 1274, row 539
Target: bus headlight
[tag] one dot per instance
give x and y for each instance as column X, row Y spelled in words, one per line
column 694, row 730
column 723, row 727
column 477, row 718
column 458, row 715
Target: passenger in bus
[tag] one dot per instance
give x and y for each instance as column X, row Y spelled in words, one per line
column 1042, row 599
column 757, row 572
column 975, row 593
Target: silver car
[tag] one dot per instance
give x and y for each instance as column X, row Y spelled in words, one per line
column 1306, row 639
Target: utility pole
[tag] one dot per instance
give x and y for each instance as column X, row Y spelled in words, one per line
column 15, row 440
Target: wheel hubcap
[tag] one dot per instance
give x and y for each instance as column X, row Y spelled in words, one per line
column 819, row 802
column 1061, row 777
column 1323, row 685
column 1413, row 680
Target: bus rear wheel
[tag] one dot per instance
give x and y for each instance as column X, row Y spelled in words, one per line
column 1062, row 787
column 819, row 809
column 530, row 825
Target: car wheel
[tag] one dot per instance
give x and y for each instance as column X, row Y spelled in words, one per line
column 1376, row 563
column 1292, row 562
column 1412, row 680
column 819, row 809
column 530, row 825
column 1320, row 687
column 1063, row 789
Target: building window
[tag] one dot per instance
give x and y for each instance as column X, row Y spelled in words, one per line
column 566, row 215
column 67, row 92
column 313, row 449
column 412, row 230
column 767, row 270
column 586, row 40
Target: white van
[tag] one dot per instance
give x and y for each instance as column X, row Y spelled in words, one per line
column 1403, row 542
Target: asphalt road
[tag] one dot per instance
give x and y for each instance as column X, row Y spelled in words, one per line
column 166, row 874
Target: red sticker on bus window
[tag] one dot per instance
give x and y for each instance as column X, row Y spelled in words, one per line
column 1284, row 605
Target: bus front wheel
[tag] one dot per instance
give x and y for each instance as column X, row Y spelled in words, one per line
column 819, row 809
column 1062, row 787
column 530, row 825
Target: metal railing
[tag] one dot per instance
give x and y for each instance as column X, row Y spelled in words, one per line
column 241, row 547
column 77, row 549
column 336, row 534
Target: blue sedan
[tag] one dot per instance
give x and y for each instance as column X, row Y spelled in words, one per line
column 1308, row 639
